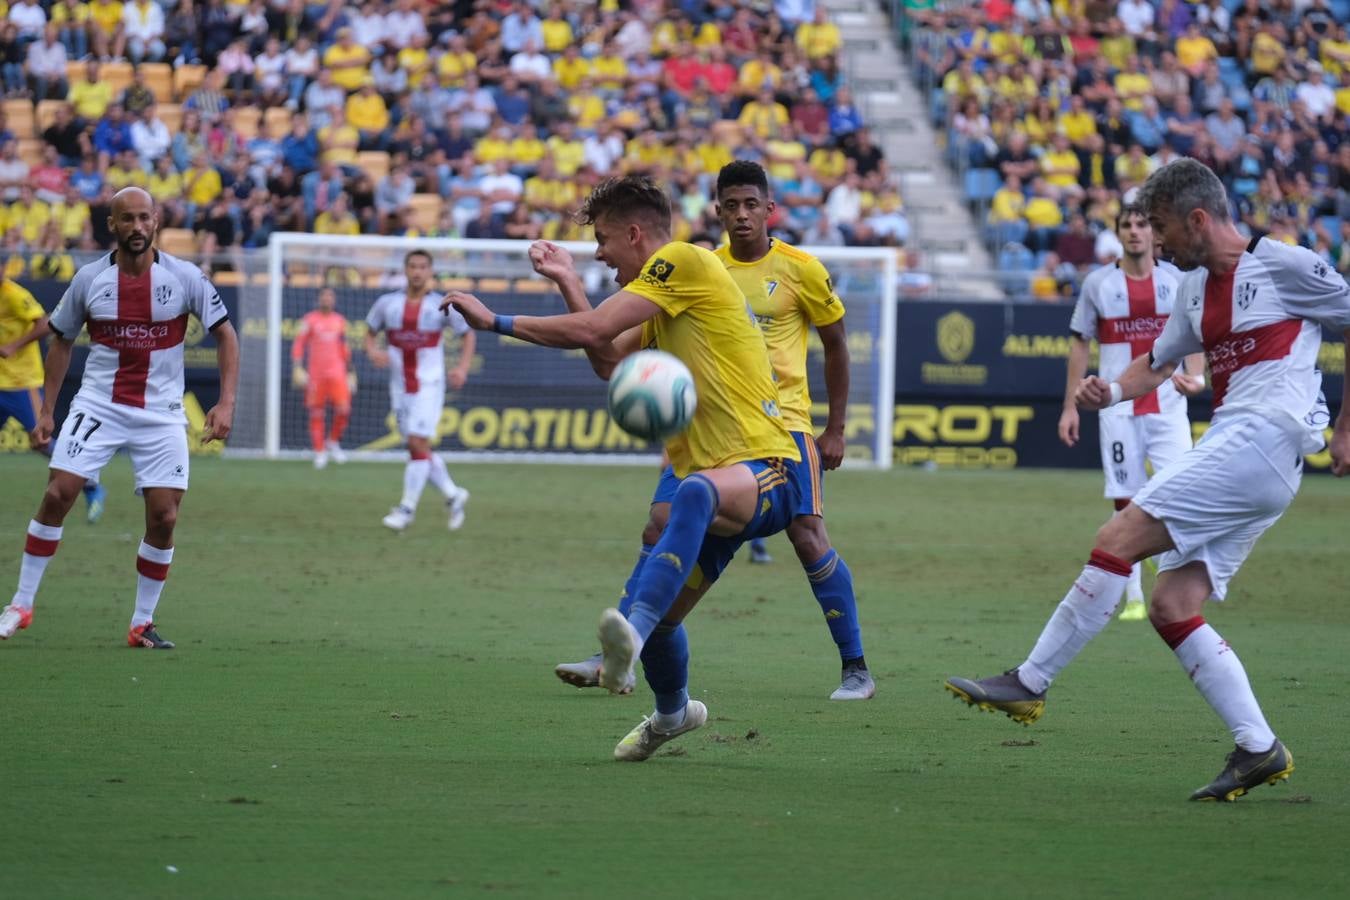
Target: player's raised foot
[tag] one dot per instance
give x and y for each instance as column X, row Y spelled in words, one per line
column 335, row 452
column 13, row 618
column 1001, row 693
column 321, row 459
column 455, row 507
column 95, row 496
column 619, row 649
column 147, row 638
column 857, row 684
column 1245, row 770
column 759, row 552
column 645, row 739
column 399, row 518
column 1133, row 611
column 584, row 674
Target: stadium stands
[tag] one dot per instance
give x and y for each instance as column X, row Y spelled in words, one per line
column 501, row 112
column 1055, row 108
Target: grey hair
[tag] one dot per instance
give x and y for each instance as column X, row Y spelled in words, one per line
column 1181, row 186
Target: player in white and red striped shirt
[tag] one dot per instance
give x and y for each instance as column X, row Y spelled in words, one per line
column 1256, row 309
column 1123, row 307
column 413, row 325
column 135, row 302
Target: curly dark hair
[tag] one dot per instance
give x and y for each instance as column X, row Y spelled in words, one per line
column 743, row 173
column 627, row 198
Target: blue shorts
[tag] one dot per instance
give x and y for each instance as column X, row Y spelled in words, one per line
column 23, row 404
column 779, row 504
column 809, row 483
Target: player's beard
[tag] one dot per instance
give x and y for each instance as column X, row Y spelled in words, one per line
column 133, row 245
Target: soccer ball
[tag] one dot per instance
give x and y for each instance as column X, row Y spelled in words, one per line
column 651, row 395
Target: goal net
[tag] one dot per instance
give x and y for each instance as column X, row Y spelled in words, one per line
column 521, row 402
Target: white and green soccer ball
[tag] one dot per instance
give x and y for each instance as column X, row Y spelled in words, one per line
column 651, row 395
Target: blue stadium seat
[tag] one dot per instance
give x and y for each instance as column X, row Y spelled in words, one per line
column 982, row 184
column 1331, row 224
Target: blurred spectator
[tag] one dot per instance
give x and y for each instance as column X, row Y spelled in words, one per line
column 68, row 136
column 142, row 35
column 46, row 66
column 150, row 137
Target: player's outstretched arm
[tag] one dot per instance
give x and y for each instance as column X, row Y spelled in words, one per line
column 1079, row 352
column 1095, row 392
column 57, row 364
column 831, row 441
column 1340, row 435
column 220, row 419
column 555, row 264
column 610, row 329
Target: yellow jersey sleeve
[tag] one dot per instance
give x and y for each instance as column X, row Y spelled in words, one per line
column 817, row 298
column 674, row 278
column 19, row 304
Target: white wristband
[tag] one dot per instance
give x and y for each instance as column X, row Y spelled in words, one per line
column 1116, row 393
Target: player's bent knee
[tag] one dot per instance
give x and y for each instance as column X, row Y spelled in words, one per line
column 62, row 491
column 809, row 538
column 1179, row 594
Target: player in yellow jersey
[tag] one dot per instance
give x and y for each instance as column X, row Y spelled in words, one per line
column 735, row 465
column 23, row 323
column 789, row 292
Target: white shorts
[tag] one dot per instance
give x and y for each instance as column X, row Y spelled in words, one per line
column 1127, row 441
column 1223, row 495
column 94, row 430
column 419, row 414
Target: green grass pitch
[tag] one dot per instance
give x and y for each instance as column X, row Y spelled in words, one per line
column 351, row 713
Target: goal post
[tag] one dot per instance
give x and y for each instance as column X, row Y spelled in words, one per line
column 521, row 403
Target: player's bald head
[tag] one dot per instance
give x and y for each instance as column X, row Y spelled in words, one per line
column 130, row 199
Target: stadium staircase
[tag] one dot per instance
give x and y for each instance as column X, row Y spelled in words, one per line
column 943, row 230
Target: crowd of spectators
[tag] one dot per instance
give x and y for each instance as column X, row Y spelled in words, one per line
column 1055, row 110
column 473, row 118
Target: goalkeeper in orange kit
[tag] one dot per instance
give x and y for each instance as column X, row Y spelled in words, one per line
column 327, row 379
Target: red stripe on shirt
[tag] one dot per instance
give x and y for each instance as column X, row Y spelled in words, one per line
column 1139, row 329
column 409, row 339
column 133, row 364
column 1230, row 351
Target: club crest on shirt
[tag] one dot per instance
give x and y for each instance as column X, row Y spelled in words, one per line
column 163, row 294
column 1164, row 292
column 1246, row 293
column 770, row 287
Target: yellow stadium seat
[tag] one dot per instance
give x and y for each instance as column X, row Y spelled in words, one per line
column 177, row 241
column 30, row 151
column 117, row 74
column 19, row 117
column 277, row 122
column 425, row 212
column 74, row 70
column 226, row 278
column 172, row 116
column 247, row 120
column 187, row 79
column 159, row 79
column 374, row 163
column 46, row 113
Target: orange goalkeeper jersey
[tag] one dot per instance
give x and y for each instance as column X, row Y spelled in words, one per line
column 324, row 335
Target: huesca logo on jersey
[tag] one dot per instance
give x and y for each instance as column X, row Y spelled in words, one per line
column 1246, row 294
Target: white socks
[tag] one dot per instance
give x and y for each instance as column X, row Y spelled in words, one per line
column 414, row 479
column 440, row 477
column 1219, row 677
column 152, row 568
column 1134, row 588
column 37, row 552
column 1084, row 612
column 668, row 722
